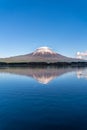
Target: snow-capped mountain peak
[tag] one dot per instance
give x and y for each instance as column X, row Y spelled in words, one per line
column 43, row 51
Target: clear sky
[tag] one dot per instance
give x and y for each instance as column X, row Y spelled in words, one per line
column 28, row 24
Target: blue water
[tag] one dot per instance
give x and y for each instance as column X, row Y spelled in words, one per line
column 26, row 104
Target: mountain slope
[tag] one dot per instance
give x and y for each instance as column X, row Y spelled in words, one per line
column 42, row 54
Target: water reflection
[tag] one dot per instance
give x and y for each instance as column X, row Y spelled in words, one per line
column 27, row 105
column 45, row 74
column 82, row 73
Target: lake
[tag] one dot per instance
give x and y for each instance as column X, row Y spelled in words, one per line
column 45, row 98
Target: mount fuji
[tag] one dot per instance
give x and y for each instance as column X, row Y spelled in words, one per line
column 42, row 54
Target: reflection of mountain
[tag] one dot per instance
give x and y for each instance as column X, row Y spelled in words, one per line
column 42, row 75
column 46, row 74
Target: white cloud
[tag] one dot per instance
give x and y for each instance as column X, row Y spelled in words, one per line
column 81, row 55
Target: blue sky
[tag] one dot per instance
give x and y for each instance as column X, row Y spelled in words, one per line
column 28, row 24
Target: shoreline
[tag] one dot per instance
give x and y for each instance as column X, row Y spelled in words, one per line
column 41, row 64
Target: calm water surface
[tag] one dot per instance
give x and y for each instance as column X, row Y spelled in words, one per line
column 43, row 98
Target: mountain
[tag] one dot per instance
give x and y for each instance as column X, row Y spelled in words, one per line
column 42, row 54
